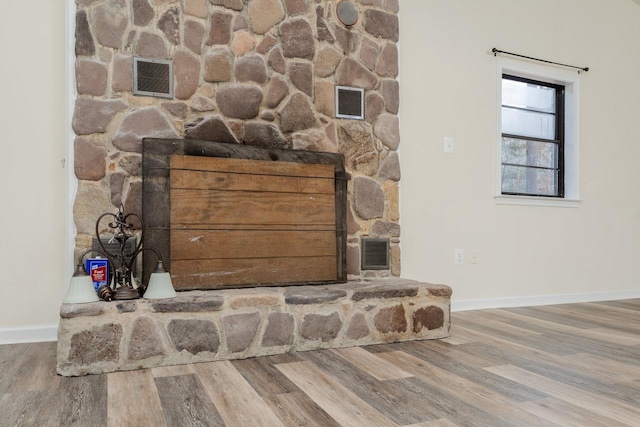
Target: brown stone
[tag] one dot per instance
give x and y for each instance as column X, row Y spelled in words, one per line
column 352, row 225
column 193, row 35
column 90, row 160
column 390, row 168
column 268, row 115
column 142, row 13
column 385, row 229
column 301, row 75
column 392, row 6
column 264, row 14
column 126, row 306
column 240, row 23
column 91, row 77
column 69, row 311
column 178, row 109
column 265, row 135
column 387, row 65
column 194, row 335
column 217, row 65
column 251, row 68
column 296, row 7
column 132, row 164
column 133, row 202
column 141, row 123
column 390, row 90
column 351, row 73
column 317, row 327
column 373, row 106
column 358, row 327
column 325, row 98
column 151, row 46
column 347, row 39
column 267, row 43
column 430, row 317
column 277, row 62
column 145, row 340
column 381, row 24
column 94, row 115
column 169, row 24
column 239, row 101
column 196, row 8
column 110, row 21
column 324, row 34
column 440, row 290
column 391, row 319
column 297, row 114
column 189, row 304
column 97, row 344
column 369, row 53
column 326, row 61
column 243, row 301
column 229, row 4
column 387, row 129
column 116, row 188
column 243, row 42
column 211, row 128
column 122, row 73
column 305, row 295
column 353, row 260
column 368, row 199
column 240, row 330
column 384, row 292
column 84, row 40
column 220, row 28
column 187, row 71
column 313, row 140
column 279, row 330
column 297, row 39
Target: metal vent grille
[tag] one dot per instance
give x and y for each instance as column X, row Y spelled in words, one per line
column 375, row 254
column 153, row 77
column 114, row 248
column 349, row 102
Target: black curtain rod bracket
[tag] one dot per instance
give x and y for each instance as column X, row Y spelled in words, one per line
column 580, row 69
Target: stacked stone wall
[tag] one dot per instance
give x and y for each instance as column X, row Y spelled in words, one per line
column 255, row 72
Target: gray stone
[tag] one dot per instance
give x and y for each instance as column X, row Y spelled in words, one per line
column 110, row 21
column 267, row 43
column 279, row 330
column 240, row 330
column 297, row 114
column 240, row 23
column 69, row 311
column 229, row 4
column 116, row 187
column 268, row 115
column 373, row 106
column 201, row 104
column 84, row 40
column 196, row 8
column 369, row 51
column 142, row 13
column 325, row 98
column 145, row 340
column 382, row 24
column 92, row 200
column 278, row 90
column 392, row 6
column 151, row 46
column 141, row 123
column 194, row 335
column 91, row 77
column 187, row 73
column 387, row 129
column 326, row 61
column 220, row 28
column 347, row 39
column 264, row 14
column 312, row 295
column 387, row 65
column 122, row 73
column 97, row 344
column 384, row 292
column 130, row 38
column 324, row 34
column 126, row 306
column 178, row 109
column 193, row 35
column 358, row 327
column 251, row 68
column 301, row 75
column 430, row 317
column 188, row 304
column 351, row 73
column 353, row 260
column 297, row 39
column 239, row 101
column 217, row 65
column 385, row 229
column 440, row 291
column 296, row 7
column 94, row 115
column 169, row 24
column 317, row 327
column 313, row 140
column 211, row 128
column 368, row 198
column 277, row 62
column 133, row 202
column 391, row 319
column 352, row 225
column 90, row 160
column 390, row 168
column 265, row 135
column 390, row 90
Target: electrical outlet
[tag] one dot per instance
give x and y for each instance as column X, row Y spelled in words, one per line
column 458, row 256
column 448, row 144
column 473, row 256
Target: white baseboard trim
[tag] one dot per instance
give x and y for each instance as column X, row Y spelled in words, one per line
column 529, row 301
column 29, row 334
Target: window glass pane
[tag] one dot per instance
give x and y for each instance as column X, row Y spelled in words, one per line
column 524, row 180
column 529, row 153
column 528, row 95
column 528, row 123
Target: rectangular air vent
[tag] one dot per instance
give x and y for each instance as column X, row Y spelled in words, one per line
column 114, row 248
column 153, row 77
column 375, row 253
column 349, row 102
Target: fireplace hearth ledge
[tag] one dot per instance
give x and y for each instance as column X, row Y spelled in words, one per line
column 205, row 326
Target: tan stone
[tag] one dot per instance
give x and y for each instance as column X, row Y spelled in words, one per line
column 144, row 122
column 325, row 98
column 243, row 42
column 352, row 73
column 187, row 73
column 387, row 129
column 151, row 46
column 394, row 255
column 373, row 106
column 387, row 65
column 313, row 140
column 369, row 51
column 89, row 159
column 256, row 301
column 91, row 77
column 217, row 65
column 201, row 103
column 196, row 8
column 251, row 68
column 326, row 62
column 110, row 21
column 392, row 192
column 122, row 73
column 193, row 35
column 92, row 200
column 264, row 14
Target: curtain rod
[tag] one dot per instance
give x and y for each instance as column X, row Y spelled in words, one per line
column 497, row 51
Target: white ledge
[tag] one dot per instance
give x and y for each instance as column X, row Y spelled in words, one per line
column 503, row 199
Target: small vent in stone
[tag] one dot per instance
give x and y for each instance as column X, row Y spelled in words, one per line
column 347, row 13
column 153, row 77
column 375, row 253
column 349, row 102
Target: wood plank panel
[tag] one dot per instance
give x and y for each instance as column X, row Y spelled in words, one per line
column 133, row 400
column 216, row 274
column 219, row 244
column 186, row 403
column 297, row 409
column 566, row 414
column 267, row 167
column 85, row 401
column 38, row 372
column 378, row 368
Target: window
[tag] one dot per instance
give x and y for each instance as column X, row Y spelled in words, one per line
column 532, row 137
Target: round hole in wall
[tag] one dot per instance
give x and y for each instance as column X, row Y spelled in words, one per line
column 347, row 13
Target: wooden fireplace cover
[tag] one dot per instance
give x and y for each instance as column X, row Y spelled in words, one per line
column 243, row 216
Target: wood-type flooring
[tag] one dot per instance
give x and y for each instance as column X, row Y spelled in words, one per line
column 563, row 365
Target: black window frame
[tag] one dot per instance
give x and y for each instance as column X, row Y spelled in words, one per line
column 559, row 141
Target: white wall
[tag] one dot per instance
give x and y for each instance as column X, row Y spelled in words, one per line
column 32, row 178
column 448, row 80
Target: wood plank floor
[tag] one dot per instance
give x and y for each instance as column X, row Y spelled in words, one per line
column 563, row 365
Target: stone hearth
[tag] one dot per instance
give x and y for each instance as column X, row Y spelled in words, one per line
column 204, row 326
